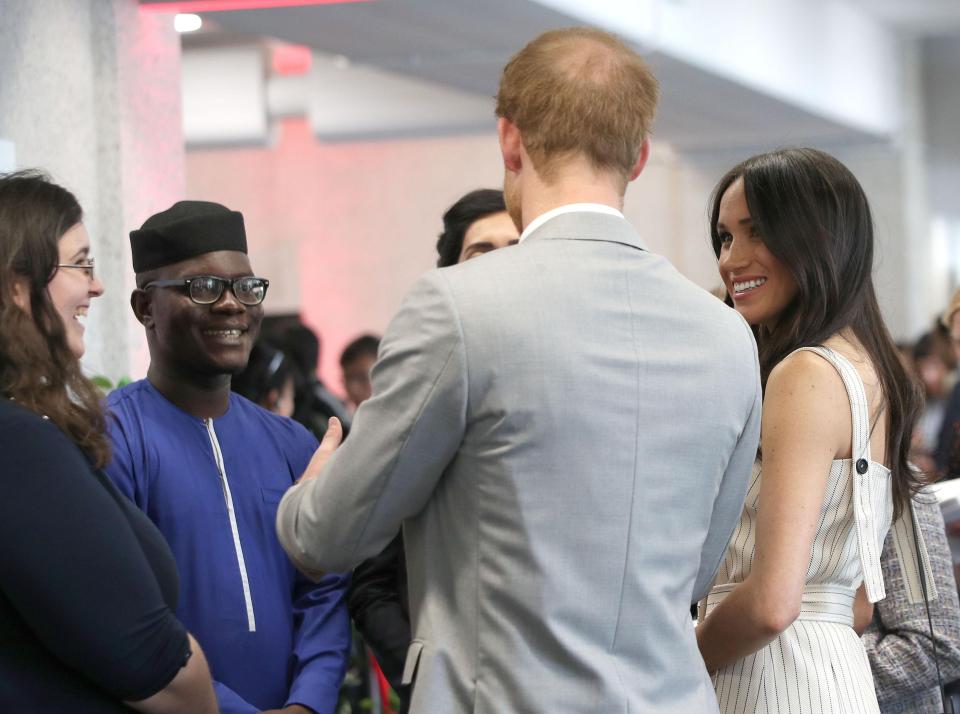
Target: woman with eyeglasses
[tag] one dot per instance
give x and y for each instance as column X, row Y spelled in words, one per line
column 793, row 235
column 88, row 586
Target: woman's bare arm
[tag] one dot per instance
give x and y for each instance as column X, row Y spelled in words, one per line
column 806, row 419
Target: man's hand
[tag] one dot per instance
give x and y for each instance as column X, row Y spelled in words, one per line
column 291, row 709
column 331, row 440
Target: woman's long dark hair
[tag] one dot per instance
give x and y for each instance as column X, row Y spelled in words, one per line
column 813, row 216
column 37, row 368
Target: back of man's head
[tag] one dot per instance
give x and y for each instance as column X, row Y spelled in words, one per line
column 579, row 92
column 302, row 345
column 363, row 346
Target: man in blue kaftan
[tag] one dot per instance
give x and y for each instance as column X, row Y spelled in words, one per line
column 209, row 468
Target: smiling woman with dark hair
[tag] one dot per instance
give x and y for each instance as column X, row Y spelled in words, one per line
column 88, row 586
column 793, row 235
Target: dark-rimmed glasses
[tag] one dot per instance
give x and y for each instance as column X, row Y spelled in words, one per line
column 207, row 289
column 86, row 267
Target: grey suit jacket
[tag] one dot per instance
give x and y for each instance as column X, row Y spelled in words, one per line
column 565, row 429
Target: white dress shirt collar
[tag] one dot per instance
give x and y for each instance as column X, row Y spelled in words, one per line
column 568, row 208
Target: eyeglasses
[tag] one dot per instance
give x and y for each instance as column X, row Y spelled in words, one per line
column 86, row 267
column 207, row 289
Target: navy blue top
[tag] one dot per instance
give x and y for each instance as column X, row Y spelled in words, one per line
column 87, row 584
column 212, row 487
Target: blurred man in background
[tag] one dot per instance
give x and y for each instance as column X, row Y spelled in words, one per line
column 356, row 361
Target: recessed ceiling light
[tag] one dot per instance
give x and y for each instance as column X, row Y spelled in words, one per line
column 186, row 22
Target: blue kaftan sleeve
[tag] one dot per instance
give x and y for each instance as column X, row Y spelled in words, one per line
column 230, row 702
column 322, row 639
column 321, row 643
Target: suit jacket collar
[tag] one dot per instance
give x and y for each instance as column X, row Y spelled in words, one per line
column 588, row 226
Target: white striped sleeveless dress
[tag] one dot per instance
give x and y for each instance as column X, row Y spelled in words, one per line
column 818, row 665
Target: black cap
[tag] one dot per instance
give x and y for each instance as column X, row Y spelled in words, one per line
column 185, row 230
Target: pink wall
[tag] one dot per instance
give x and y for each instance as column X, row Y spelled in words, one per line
column 342, row 230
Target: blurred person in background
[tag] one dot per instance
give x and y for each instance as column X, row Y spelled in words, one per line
column 947, row 455
column 476, row 224
column 946, row 348
column 356, row 361
column 933, row 373
column 315, row 404
column 268, row 379
column 948, row 448
column 209, row 468
column 89, row 587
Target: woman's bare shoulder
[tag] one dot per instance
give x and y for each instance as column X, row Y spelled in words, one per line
column 806, row 371
column 805, row 397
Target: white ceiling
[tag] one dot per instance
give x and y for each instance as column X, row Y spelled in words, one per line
column 463, row 45
column 926, row 17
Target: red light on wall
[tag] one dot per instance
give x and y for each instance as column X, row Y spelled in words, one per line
column 291, row 59
column 225, row 5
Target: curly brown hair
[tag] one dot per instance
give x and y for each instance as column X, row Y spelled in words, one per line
column 37, row 368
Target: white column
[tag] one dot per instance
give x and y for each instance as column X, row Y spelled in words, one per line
column 921, row 281
column 90, row 93
column 942, row 95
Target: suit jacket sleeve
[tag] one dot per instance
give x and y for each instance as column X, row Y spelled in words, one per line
column 733, row 487
column 403, row 437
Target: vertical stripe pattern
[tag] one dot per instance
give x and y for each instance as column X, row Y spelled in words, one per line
column 818, row 664
column 872, row 494
column 906, row 545
column 235, row 531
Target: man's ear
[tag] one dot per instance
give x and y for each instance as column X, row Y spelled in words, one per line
column 641, row 159
column 510, row 144
column 142, row 307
